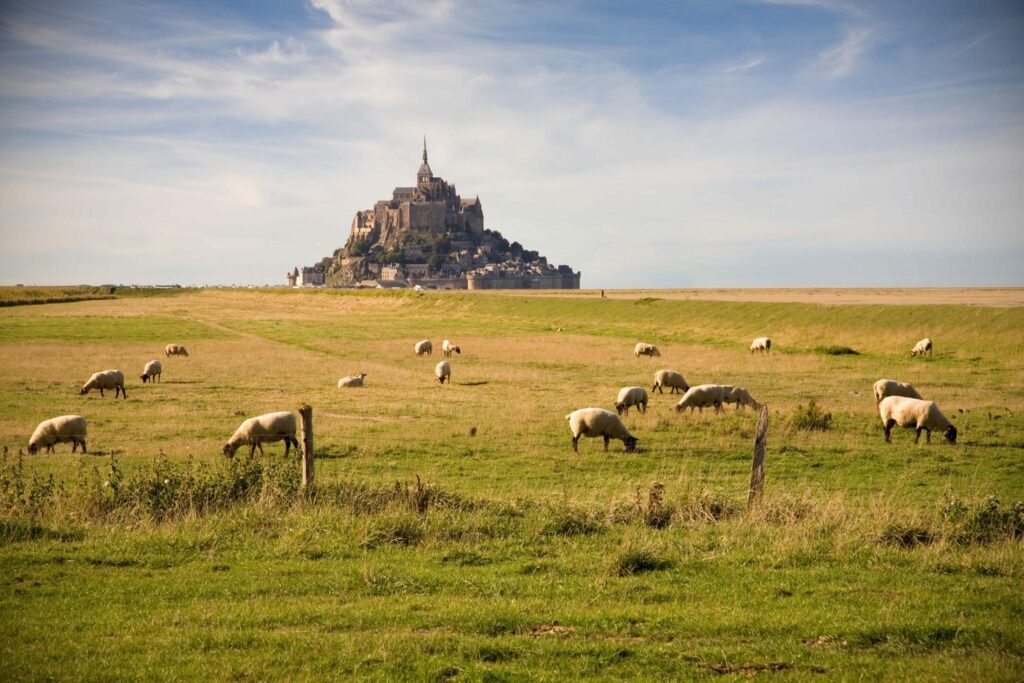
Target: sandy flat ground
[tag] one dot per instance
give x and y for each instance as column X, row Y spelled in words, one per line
column 970, row 296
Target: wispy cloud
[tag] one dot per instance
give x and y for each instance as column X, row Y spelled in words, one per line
column 843, row 59
column 744, row 66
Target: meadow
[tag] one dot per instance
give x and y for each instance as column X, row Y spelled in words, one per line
column 453, row 535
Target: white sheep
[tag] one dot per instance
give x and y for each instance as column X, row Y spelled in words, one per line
column 108, row 379
column 443, row 371
column 151, row 371
column 702, row 396
column 263, row 429
column 761, row 344
column 922, row 347
column 642, row 349
column 63, row 429
column 631, row 396
column 447, row 347
column 890, row 387
column 671, row 379
column 913, row 413
column 424, row 348
column 740, row 396
column 175, row 350
column 352, row 380
column 594, row 422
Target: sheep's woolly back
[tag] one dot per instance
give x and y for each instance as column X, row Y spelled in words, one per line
column 913, row 412
column 153, row 367
column 351, row 381
column 670, row 378
column 631, row 396
column 51, row 431
column 643, row 349
column 890, row 387
column 702, row 396
column 593, row 422
column 267, row 427
column 442, row 369
column 107, row 379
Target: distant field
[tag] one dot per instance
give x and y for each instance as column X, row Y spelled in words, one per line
column 512, row 558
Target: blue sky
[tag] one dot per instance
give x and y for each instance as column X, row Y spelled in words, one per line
column 660, row 144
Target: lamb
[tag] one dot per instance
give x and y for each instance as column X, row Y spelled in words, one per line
column 151, row 371
column 761, row 344
column 642, row 349
column 669, row 378
column 913, row 413
column 63, row 429
column 263, row 429
column 594, row 422
column 424, row 348
column 108, row 379
column 447, row 347
column 352, row 380
column 740, row 396
column 702, row 396
column 890, row 387
column 175, row 350
column 443, row 371
column 631, row 396
column 922, row 347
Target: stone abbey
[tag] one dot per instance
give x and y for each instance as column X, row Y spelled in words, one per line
column 428, row 235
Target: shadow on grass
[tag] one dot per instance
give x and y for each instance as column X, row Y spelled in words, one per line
column 473, row 384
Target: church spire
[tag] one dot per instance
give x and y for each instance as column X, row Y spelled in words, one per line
column 424, row 175
column 424, row 149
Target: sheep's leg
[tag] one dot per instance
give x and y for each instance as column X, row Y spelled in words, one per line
column 83, row 446
column 259, row 445
column 917, row 437
column 74, row 445
column 888, row 430
column 252, row 449
column 643, row 408
column 606, row 440
column 101, row 391
column 575, row 444
column 927, row 435
column 287, row 446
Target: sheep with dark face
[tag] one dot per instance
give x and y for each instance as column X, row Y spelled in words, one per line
column 151, row 371
column 64, row 429
column 352, row 380
column 108, row 379
column 443, row 371
column 424, row 348
column 267, row 428
column 629, row 397
column 921, row 348
column 671, row 379
column 913, row 413
column 761, row 344
column 595, row 422
column 447, row 347
column 175, row 350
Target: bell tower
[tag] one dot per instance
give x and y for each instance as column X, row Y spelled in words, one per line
column 424, row 175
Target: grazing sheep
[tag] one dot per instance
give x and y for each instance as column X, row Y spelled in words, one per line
column 761, row 344
column 108, row 379
column 642, row 349
column 175, row 350
column 63, row 429
column 890, row 387
column 352, row 380
column 631, row 396
column 151, row 371
column 922, row 347
column 740, row 396
column 447, row 347
column 594, row 422
column 263, row 429
column 702, row 396
column 669, row 378
column 443, row 371
column 424, row 348
column 913, row 413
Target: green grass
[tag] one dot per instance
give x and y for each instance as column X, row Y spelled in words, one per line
column 453, row 534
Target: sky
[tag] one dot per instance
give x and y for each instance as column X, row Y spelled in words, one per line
column 724, row 143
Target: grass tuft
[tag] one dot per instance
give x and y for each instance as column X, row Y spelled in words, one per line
column 836, row 351
column 811, row 418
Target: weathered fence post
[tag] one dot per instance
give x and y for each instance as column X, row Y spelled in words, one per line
column 306, row 426
column 760, row 450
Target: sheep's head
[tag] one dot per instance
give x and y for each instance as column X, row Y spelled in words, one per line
column 620, row 408
column 655, row 352
column 144, row 378
column 229, row 449
column 679, row 407
column 630, row 442
column 362, row 375
column 458, row 350
column 33, row 447
column 84, row 390
column 950, row 434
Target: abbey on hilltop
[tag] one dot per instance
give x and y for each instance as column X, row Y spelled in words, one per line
column 428, row 235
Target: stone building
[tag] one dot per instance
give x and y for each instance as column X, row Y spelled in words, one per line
column 305, row 277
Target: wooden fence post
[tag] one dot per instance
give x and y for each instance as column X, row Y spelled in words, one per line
column 760, row 451
column 306, row 426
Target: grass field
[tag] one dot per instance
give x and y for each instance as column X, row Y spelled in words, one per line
column 512, row 558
